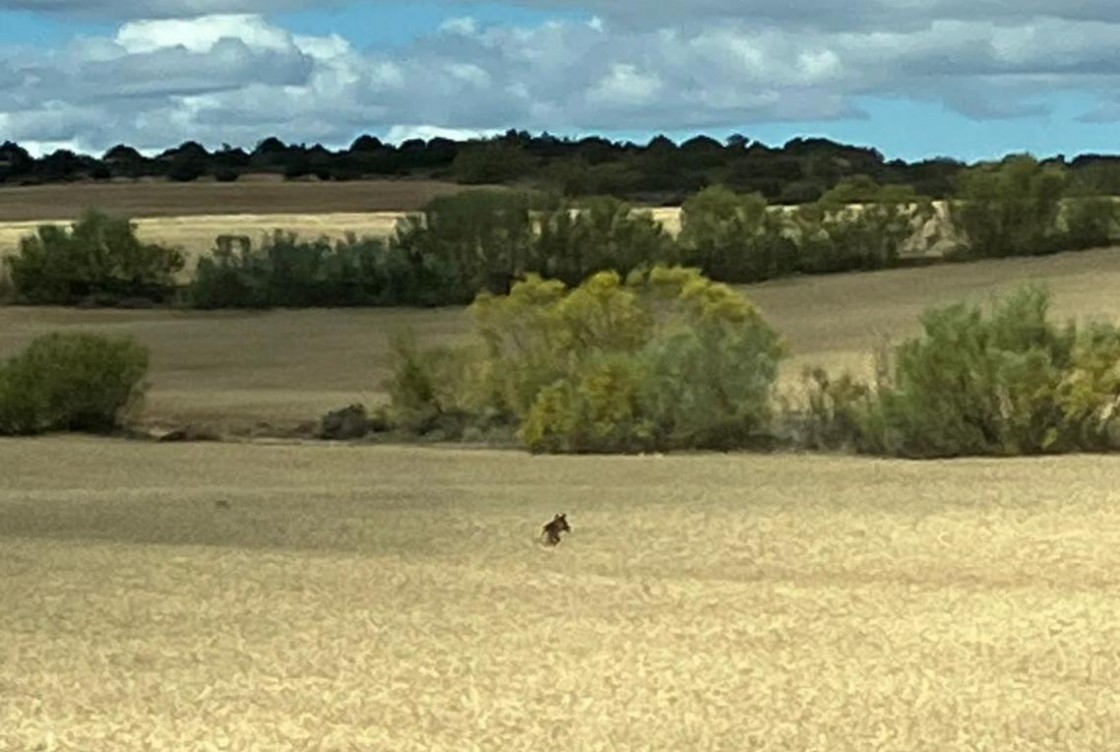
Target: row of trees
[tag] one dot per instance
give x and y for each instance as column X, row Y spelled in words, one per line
column 459, row 245
column 800, row 171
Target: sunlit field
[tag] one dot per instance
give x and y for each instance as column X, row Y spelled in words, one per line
column 393, row 599
column 284, row 595
column 195, row 235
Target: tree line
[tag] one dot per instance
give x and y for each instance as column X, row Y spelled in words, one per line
column 660, row 171
column 459, row 245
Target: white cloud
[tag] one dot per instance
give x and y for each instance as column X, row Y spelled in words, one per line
column 399, row 133
column 625, row 85
column 466, row 26
column 237, row 77
column 201, row 34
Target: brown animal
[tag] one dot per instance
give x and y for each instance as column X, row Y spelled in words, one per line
column 550, row 535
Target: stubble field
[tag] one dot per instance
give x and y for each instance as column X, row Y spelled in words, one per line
column 392, row 598
column 386, row 598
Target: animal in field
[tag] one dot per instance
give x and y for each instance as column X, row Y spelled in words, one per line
column 550, row 534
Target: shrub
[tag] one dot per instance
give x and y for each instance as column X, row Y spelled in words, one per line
column 861, row 189
column 598, row 409
column 286, row 271
column 833, row 238
column 1007, row 384
column 72, row 382
column 1090, row 222
column 1009, row 209
column 734, row 238
column 470, row 242
column 99, row 258
column 665, row 359
column 490, row 163
column 579, row 239
column 351, row 422
column 429, row 389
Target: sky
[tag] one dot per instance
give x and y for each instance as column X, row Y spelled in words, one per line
column 968, row 79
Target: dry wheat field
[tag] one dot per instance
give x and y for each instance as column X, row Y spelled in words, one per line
column 194, row 235
column 388, row 598
column 277, row 596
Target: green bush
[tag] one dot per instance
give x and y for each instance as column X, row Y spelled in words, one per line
column 833, row 238
column 1010, row 383
column 99, row 258
column 734, row 238
column 581, row 238
column 597, row 409
column 72, row 382
column 1008, row 209
column 286, row 271
column 463, row 244
column 862, row 189
column 1090, row 222
column 491, row 163
column 665, row 359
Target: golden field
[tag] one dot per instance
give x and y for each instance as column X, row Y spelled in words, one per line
column 192, row 215
column 195, row 234
column 388, row 598
column 358, row 597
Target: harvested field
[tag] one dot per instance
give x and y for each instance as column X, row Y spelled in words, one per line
column 382, row 598
column 235, row 369
column 256, row 194
column 191, row 216
column 195, row 235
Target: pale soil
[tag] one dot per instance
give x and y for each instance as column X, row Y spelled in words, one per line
column 392, row 599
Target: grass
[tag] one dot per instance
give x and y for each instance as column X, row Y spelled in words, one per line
column 392, row 598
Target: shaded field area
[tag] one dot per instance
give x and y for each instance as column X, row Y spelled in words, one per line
column 393, row 598
column 250, row 195
column 235, row 369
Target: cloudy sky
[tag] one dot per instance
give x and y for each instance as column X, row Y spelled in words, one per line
column 972, row 79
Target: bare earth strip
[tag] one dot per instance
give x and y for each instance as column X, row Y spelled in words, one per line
column 257, row 194
column 392, row 599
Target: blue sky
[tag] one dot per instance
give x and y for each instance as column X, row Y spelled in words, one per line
column 966, row 79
